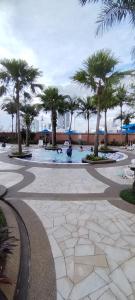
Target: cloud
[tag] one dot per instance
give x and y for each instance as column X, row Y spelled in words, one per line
column 57, row 36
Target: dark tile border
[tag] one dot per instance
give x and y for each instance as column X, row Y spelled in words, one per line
column 38, row 260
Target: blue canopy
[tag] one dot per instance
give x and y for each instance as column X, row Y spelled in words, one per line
column 70, row 132
column 130, row 128
column 101, row 131
column 45, row 130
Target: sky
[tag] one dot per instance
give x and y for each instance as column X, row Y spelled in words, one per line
column 57, row 36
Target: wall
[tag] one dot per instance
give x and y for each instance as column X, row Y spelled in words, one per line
column 83, row 137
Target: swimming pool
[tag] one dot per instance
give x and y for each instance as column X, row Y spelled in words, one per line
column 42, row 155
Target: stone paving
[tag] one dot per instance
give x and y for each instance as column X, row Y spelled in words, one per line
column 63, row 181
column 9, row 179
column 93, row 245
column 93, row 242
column 115, row 174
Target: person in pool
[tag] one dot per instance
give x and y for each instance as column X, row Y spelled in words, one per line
column 81, row 148
column 69, row 151
column 59, row 150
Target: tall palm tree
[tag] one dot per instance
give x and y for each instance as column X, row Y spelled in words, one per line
column 54, row 102
column 18, row 76
column 108, row 101
column 72, row 106
column 98, row 69
column 29, row 112
column 122, row 98
column 86, row 109
column 10, row 108
column 113, row 11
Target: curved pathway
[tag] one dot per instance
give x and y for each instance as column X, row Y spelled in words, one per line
column 92, row 241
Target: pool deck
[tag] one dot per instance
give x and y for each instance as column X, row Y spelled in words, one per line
column 81, row 234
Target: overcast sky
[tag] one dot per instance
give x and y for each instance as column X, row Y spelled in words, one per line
column 57, row 36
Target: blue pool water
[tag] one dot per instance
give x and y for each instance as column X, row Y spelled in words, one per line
column 42, row 155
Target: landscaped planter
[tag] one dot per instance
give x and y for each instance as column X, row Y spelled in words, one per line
column 108, row 151
column 92, row 162
column 23, row 155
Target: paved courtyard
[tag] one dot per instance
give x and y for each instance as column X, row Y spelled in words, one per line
column 92, row 240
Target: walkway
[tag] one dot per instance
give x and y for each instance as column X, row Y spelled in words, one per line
column 92, row 241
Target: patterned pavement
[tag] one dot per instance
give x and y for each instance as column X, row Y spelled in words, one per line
column 92, row 242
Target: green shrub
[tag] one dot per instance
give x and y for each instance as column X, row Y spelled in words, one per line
column 128, row 195
column 95, row 158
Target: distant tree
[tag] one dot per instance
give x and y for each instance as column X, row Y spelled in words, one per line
column 18, row 76
column 87, row 109
column 54, row 102
column 29, row 112
column 109, row 101
column 10, row 108
column 122, row 98
column 72, row 106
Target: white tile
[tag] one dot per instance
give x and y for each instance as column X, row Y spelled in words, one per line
column 55, row 248
column 119, row 255
column 108, row 296
column 71, row 242
column 60, row 267
column 59, row 297
column 64, row 286
column 90, row 284
column 69, row 252
column 129, row 269
column 103, row 273
column 84, row 250
column 118, row 293
column 61, row 232
column 82, row 231
column 98, row 293
column 83, row 241
column 70, row 267
column 59, row 220
column 121, row 281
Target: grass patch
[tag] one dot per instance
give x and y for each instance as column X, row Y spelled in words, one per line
column 128, row 195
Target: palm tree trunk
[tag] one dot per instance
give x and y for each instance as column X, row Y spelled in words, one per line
column 54, row 121
column 27, row 136
column 88, row 118
column 105, row 135
column 12, row 123
column 97, row 132
column 126, row 138
column 18, row 120
column 71, row 121
column 16, row 124
column 121, row 116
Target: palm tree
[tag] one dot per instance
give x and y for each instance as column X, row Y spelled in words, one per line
column 108, row 101
column 122, row 98
column 86, row 109
column 18, row 76
column 98, row 69
column 10, row 108
column 72, row 106
column 52, row 101
column 114, row 11
column 29, row 113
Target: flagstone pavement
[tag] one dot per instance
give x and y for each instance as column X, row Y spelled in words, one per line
column 92, row 241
